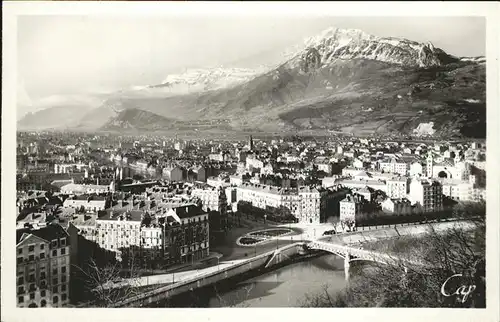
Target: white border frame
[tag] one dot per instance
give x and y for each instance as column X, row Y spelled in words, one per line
column 490, row 10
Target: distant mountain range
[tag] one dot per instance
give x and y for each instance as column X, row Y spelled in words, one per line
column 338, row 81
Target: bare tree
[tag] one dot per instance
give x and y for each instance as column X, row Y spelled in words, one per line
column 105, row 284
column 419, row 267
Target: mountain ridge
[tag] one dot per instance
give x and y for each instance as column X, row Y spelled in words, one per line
column 341, row 80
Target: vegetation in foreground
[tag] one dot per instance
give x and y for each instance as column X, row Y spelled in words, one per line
column 453, row 274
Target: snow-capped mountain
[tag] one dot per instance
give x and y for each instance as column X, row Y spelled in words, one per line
column 334, row 44
column 198, row 80
column 341, row 80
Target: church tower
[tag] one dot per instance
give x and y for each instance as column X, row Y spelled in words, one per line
column 430, row 164
column 250, row 143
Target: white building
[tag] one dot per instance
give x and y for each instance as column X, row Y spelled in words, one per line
column 325, row 167
column 397, row 206
column 117, row 231
column 447, row 168
column 306, row 204
column 218, row 182
column 459, row 190
column 236, row 180
column 86, row 225
column 427, row 194
column 397, row 187
column 350, row 208
column 79, row 189
column 395, row 166
column 212, row 198
column 253, row 163
column 417, row 169
column 91, row 203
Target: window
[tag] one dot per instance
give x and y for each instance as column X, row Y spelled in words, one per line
column 32, row 296
column 42, row 255
column 55, row 299
column 53, row 244
column 42, row 293
column 63, row 288
column 19, row 251
column 63, row 242
column 31, row 248
column 63, row 251
column 31, row 278
column 43, row 303
column 54, row 271
column 63, row 297
column 54, row 252
column 63, row 269
column 55, row 289
column 42, row 275
column 42, row 246
column 63, row 279
column 20, row 299
column 20, row 290
column 20, row 280
column 54, row 280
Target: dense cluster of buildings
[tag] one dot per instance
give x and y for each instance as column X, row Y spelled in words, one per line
column 151, row 200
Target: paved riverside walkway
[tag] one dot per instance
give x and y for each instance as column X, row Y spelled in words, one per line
column 173, row 277
column 311, row 233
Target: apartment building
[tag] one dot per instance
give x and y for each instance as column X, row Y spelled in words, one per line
column 86, row 225
column 359, row 184
column 427, row 194
column 325, row 167
column 88, row 202
column 397, row 206
column 43, row 267
column 119, row 231
column 152, row 242
column 80, row 189
column 253, row 163
column 394, row 166
column 397, row 187
column 69, row 167
column 459, row 190
column 350, row 208
column 312, row 205
column 417, row 169
column 212, row 198
column 306, row 204
column 173, row 173
column 186, row 234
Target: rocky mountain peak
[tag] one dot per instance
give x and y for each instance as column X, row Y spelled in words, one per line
column 333, row 44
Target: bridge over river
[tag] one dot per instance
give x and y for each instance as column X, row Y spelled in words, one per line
column 345, row 245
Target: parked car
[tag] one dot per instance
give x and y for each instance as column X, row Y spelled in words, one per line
column 329, row 232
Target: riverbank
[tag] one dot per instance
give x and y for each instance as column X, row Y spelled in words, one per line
column 201, row 297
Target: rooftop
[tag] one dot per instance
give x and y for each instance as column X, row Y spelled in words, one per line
column 47, row 233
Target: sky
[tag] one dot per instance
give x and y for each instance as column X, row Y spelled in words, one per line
column 72, row 55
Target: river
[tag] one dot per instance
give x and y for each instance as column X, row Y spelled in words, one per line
column 287, row 286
